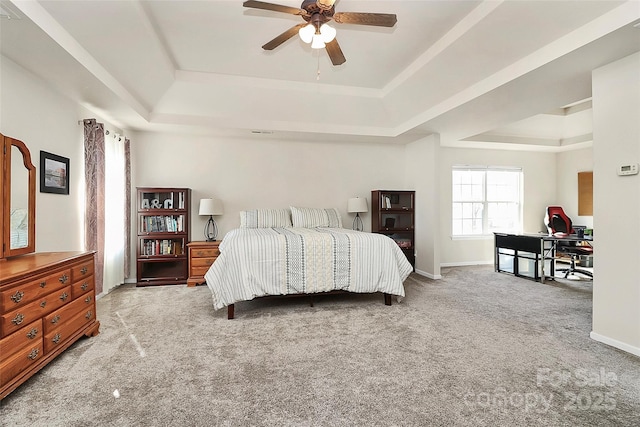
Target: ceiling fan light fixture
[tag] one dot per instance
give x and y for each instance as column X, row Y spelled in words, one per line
column 306, row 33
column 328, row 33
column 325, row 4
column 317, row 42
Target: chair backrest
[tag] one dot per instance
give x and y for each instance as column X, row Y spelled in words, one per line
column 557, row 221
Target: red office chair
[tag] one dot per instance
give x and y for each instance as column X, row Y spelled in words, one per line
column 559, row 225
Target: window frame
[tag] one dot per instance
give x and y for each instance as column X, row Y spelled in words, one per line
column 486, row 232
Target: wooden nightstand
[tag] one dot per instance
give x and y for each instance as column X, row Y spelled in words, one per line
column 201, row 256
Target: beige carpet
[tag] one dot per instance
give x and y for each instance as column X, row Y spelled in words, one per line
column 475, row 348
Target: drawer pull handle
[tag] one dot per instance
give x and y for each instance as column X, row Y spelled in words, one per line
column 32, row 333
column 56, row 338
column 55, row 319
column 17, row 297
column 43, row 284
column 43, row 303
column 84, row 286
column 89, row 314
column 18, row 319
column 87, row 300
column 83, row 270
column 64, row 296
column 63, row 278
column 33, row 354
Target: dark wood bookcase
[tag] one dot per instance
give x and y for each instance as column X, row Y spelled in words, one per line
column 163, row 234
column 393, row 214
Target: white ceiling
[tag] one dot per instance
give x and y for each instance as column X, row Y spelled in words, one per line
column 513, row 73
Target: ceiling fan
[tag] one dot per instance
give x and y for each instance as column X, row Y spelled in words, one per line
column 315, row 30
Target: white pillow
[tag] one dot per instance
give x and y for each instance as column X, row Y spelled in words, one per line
column 265, row 218
column 315, row 217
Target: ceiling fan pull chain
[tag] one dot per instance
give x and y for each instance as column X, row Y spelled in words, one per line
column 318, row 72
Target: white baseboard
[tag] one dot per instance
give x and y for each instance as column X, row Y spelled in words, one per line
column 429, row 275
column 615, row 343
column 466, row 264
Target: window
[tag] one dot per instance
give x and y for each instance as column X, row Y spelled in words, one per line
column 486, row 200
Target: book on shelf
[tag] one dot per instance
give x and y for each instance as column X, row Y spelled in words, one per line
column 180, row 200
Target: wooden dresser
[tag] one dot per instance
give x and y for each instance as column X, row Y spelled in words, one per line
column 47, row 302
column 201, row 256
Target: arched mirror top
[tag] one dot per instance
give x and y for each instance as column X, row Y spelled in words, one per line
column 19, row 199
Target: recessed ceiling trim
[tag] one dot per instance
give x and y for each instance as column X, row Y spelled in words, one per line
column 512, row 139
column 8, row 11
column 34, row 11
column 599, row 27
column 460, row 29
column 257, row 82
column 576, row 107
column 576, row 139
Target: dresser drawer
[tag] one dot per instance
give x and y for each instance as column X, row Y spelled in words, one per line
column 61, row 316
column 204, row 253
column 20, row 361
column 59, row 335
column 82, row 271
column 33, row 289
column 17, row 319
column 24, row 337
column 82, row 286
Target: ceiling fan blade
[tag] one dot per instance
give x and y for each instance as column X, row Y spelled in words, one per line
column 377, row 19
column 335, row 53
column 275, row 7
column 283, row 37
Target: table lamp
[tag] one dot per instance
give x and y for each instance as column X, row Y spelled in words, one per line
column 357, row 205
column 210, row 207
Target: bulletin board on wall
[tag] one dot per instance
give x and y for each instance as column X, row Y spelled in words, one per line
column 585, row 193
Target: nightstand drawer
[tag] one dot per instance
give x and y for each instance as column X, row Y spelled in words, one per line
column 202, row 262
column 205, row 253
column 199, row 271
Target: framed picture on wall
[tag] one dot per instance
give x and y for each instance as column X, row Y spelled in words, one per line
column 54, row 173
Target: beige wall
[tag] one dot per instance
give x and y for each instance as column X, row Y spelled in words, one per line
column 616, row 204
column 568, row 165
column 539, row 191
column 45, row 120
column 264, row 173
column 422, row 175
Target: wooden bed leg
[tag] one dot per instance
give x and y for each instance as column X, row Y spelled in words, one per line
column 230, row 311
column 311, row 301
column 387, row 299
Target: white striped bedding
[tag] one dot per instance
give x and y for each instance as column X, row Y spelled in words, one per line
column 280, row 261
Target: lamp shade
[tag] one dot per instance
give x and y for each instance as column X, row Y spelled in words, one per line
column 357, row 204
column 211, row 207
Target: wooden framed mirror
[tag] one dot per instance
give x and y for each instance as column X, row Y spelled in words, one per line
column 18, row 216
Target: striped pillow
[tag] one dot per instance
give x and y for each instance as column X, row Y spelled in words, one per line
column 315, row 217
column 265, row 218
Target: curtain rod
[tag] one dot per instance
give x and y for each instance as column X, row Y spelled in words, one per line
column 107, row 131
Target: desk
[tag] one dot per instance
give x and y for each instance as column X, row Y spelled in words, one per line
column 529, row 255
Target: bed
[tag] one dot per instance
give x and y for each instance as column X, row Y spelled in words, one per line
column 306, row 251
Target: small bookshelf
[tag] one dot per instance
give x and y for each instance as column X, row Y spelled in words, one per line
column 393, row 214
column 163, row 235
